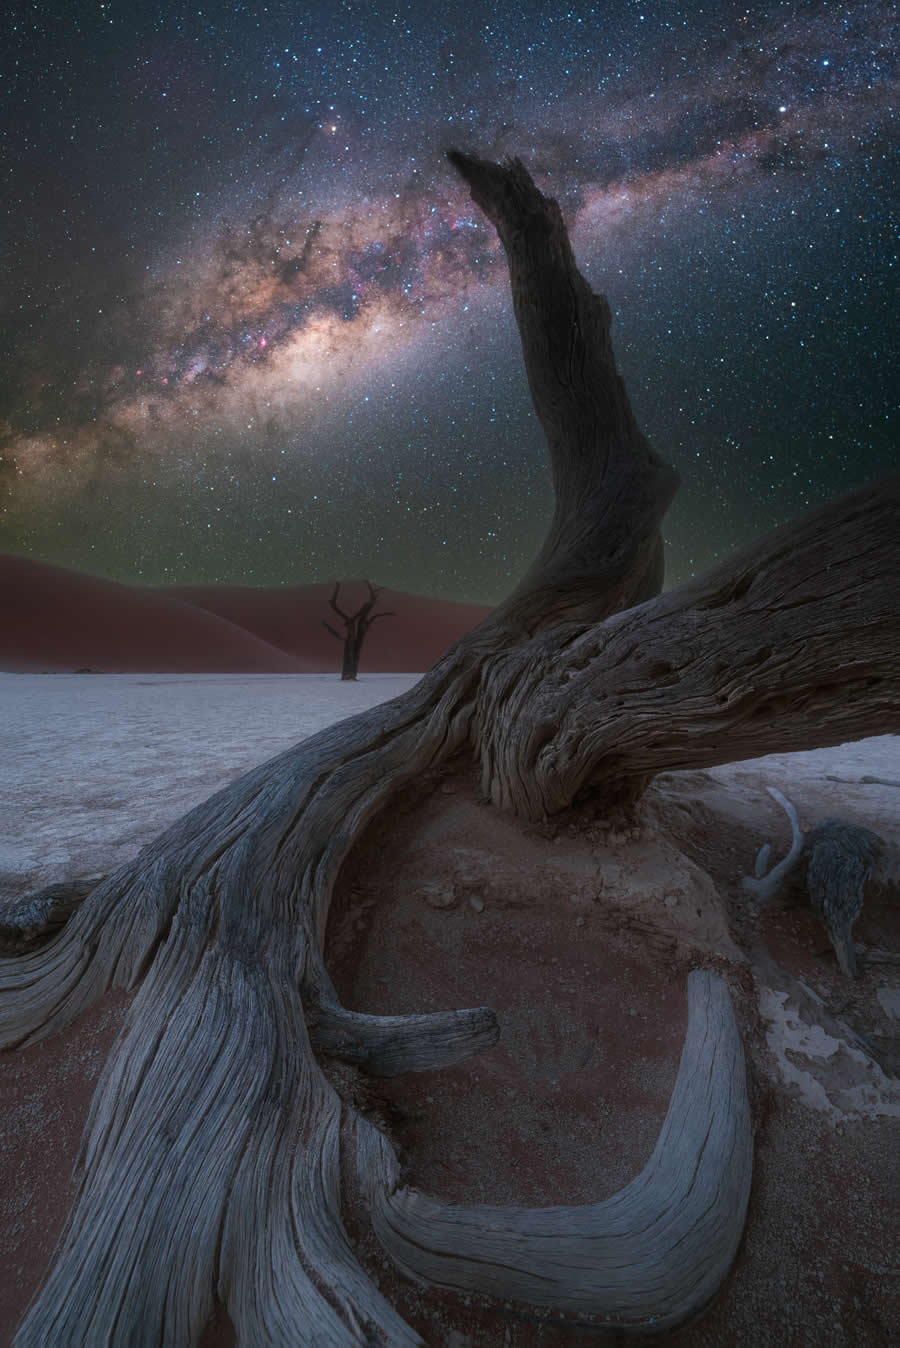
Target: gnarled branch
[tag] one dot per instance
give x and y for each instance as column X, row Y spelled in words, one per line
column 739, row 663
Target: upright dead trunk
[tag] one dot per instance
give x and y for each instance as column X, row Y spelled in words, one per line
column 357, row 626
column 212, row 1157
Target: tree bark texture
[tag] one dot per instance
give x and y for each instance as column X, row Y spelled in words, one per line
column 211, row 1159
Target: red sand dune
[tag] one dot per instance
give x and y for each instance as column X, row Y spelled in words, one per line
column 291, row 618
column 57, row 620
column 52, row 619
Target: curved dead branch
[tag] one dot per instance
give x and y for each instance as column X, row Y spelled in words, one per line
column 647, row 1258
column 765, row 885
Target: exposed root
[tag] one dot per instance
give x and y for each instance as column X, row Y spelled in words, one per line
column 644, row 1260
column 211, row 1155
column 211, row 1165
column 386, row 1046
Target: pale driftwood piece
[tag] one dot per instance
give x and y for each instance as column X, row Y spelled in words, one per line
column 872, row 955
column 765, row 886
column 211, row 1159
column 761, row 864
column 386, row 1046
column 647, row 1258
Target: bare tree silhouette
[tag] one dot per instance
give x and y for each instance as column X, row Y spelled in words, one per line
column 357, row 625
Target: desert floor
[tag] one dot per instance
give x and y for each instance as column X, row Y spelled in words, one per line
column 579, row 932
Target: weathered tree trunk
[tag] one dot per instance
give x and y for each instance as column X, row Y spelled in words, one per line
column 211, row 1160
column 357, row 625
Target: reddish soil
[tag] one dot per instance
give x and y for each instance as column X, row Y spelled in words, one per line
column 45, row 1094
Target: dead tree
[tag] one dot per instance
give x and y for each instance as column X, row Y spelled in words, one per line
column 357, row 625
column 212, row 1158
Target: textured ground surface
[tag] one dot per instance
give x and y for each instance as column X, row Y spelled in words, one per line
column 579, row 933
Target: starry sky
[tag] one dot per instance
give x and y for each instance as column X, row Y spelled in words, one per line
column 254, row 332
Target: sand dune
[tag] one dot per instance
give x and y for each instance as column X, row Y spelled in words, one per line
column 291, row 619
column 53, row 619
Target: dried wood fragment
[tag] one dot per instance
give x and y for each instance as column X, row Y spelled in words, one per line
column 646, row 1259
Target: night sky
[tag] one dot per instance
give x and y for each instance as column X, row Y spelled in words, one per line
column 254, row 332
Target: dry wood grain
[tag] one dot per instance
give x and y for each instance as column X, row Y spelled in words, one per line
column 645, row 1259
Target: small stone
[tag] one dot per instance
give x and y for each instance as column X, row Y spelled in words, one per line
column 439, row 896
column 448, row 789
column 670, row 900
column 579, row 922
column 476, row 903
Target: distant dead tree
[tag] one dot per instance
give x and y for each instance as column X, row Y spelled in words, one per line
column 357, row 625
column 221, row 1136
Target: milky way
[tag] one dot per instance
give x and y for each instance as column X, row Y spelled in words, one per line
column 256, row 333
